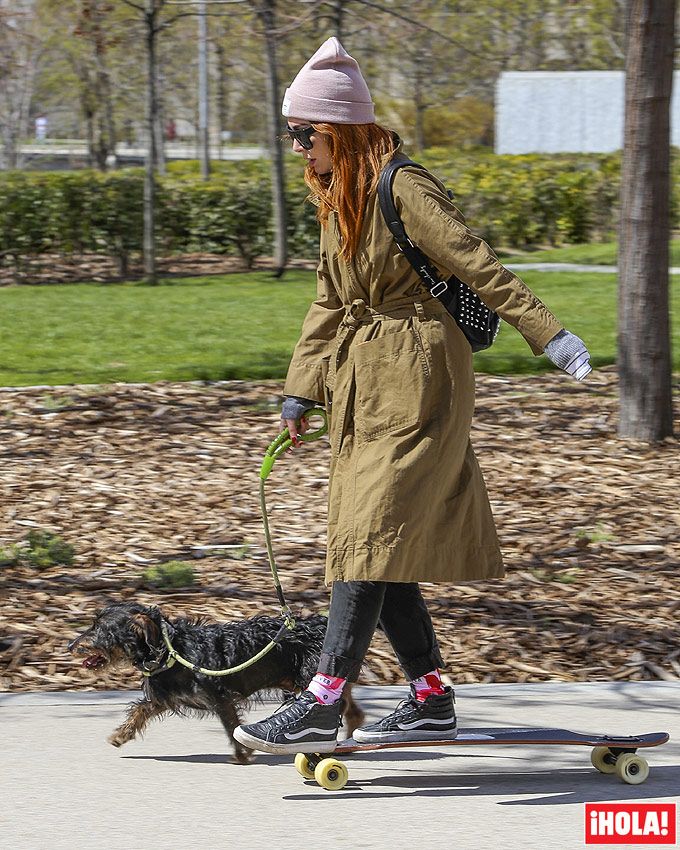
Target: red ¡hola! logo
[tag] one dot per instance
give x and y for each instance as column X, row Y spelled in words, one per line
column 630, row 823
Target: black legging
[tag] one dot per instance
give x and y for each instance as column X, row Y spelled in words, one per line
column 357, row 607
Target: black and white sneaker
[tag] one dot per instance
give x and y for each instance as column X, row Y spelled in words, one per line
column 433, row 719
column 302, row 725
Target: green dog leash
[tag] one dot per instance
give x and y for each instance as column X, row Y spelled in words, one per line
column 276, row 448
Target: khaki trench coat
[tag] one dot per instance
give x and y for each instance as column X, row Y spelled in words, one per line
column 407, row 501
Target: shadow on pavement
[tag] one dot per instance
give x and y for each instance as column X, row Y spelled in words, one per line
column 214, row 758
column 567, row 787
column 265, row 758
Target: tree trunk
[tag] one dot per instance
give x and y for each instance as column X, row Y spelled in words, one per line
column 159, row 122
column 267, row 12
column 644, row 338
column 109, row 117
column 89, row 135
column 107, row 132
column 101, row 150
column 20, row 64
column 10, row 159
column 109, row 121
column 221, row 96
column 203, row 112
column 338, row 18
column 420, row 109
column 151, row 158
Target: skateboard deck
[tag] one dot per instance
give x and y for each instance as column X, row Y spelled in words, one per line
column 610, row 754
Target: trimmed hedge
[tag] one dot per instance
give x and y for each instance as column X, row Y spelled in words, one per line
column 519, row 201
column 82, row 212
column 512, row 201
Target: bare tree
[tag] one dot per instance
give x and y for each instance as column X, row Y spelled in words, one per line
column 222, row 69
column 20, row 54
column 159, row 121
column 336, row 15
column 266, row 12
column 152, row 17
column 644, row 336
column 266, row 15
column 203, row 111
column 93, row 72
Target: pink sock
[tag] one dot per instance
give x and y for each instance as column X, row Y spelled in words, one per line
column 430, row 683
column 326, row 689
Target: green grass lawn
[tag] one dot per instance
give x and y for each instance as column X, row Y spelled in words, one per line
column 233, row 326
column 592, row 254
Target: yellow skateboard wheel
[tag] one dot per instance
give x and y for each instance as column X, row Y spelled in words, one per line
column 303, row 766
column 331, row 774
column 632, row 769
column 602, row 759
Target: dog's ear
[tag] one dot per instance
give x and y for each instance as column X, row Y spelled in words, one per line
column 154, row 613
column 145, row 627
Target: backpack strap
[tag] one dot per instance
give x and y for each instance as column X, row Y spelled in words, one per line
column 437, row 287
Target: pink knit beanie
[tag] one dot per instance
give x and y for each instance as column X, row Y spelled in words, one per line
column 329, row 87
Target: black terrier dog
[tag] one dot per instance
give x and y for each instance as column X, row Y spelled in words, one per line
column 130, row 634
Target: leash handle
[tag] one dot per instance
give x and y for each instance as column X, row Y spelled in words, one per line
column 283, row 442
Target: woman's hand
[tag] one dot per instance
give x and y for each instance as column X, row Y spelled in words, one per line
column 294, row 430
column 569, row 352
column 293, row 416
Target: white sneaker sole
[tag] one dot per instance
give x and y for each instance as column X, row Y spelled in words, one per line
column 284, row 749
column 403, row 736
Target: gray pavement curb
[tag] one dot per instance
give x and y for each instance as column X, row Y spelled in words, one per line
column 504, row 690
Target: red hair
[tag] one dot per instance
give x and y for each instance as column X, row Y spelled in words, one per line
column 358, row 153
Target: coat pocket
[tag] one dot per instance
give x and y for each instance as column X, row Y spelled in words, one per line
column 391, row 374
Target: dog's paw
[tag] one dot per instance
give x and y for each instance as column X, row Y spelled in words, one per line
column 243, row 755
column 117, row 739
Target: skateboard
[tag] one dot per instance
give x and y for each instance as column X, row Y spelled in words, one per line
column 610, row 754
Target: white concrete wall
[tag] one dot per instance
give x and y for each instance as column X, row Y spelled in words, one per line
column 565, row 111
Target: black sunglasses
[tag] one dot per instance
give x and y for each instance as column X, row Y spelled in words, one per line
column 303, row 135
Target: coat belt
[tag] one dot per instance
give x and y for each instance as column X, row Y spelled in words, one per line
column 359, row 313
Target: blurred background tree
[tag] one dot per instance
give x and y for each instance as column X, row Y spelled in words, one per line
column 644, row 323
column 432, row 65
column 23, row 60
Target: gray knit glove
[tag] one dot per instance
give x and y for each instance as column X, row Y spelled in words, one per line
column 569, row 352
column 294, row 407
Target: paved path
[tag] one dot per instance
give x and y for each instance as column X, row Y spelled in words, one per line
column 570, row 267
column 127, row 153
column 63, row 786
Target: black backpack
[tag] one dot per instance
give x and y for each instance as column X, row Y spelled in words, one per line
column 478, row 323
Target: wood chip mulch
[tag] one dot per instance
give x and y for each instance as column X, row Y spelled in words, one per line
column 134, row 475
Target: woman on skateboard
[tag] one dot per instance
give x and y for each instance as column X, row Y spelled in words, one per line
column 407, row 501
